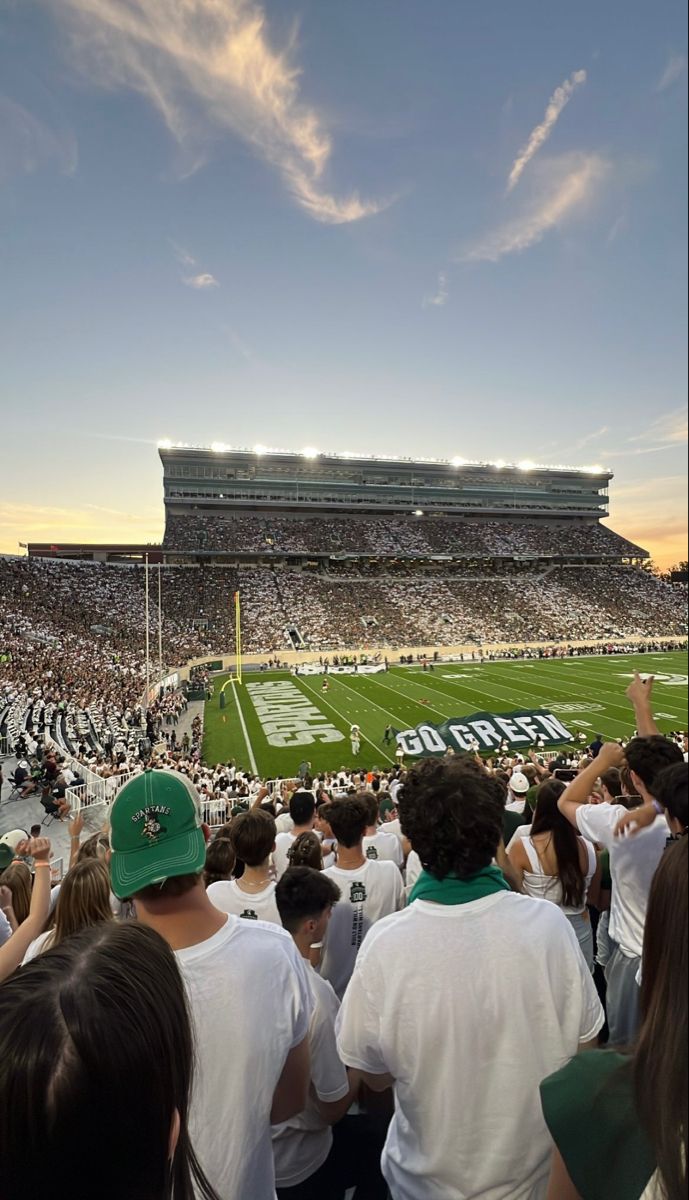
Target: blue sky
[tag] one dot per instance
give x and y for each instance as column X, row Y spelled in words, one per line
column 440, row 228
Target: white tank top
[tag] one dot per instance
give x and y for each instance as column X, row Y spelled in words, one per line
column 549, row 887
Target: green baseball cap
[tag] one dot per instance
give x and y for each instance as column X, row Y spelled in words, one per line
column 155, row 832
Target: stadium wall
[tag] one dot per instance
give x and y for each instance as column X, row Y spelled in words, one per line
column 297, row 657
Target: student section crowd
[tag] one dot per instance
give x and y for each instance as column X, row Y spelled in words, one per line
column 465, row 981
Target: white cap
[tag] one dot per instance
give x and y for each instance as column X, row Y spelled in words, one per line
column 519, row 784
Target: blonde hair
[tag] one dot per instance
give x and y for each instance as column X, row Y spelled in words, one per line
column 17, row 878
column 84, row 899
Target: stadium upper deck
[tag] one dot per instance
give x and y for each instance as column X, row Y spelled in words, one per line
column 261, row 480
column 275, row 506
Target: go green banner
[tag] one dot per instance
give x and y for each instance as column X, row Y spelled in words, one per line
column 484, row 732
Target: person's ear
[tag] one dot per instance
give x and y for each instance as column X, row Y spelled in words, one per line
column 206, row 832
column 175, row 1126
column 638, row 783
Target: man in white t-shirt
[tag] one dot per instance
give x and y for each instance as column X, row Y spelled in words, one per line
column 464, row 1002
column 380, row 843
column 518, row 787
column 326, row 1149
column 302, row 810
column 252, row 897
column 370, row 890
column 633, row 863
column 247, row 988
column 302, row 1145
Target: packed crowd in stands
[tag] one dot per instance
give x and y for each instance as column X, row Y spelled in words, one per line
column 380, row 981
column 393, row 535
column 72, row 641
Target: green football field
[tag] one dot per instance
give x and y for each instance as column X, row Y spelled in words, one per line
column 586, row 694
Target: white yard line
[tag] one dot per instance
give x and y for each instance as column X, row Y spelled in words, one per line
column 313, row 692
column 245, row 731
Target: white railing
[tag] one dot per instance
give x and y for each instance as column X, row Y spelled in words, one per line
column 95, row 790
column 215, row 813
column 57, row 870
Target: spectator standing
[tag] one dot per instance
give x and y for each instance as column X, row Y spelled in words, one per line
column 302, row 1146
column 620, row 1121
column 95, row 1037
column 497, row 978
column 302, row 810
column 370, row 890
column 633, row 862
column 246, row 984
column 552, row 863
column 252, row 836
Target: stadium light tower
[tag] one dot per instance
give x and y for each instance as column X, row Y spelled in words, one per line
column 458, row 462
column 526, row 465
column 310, row 452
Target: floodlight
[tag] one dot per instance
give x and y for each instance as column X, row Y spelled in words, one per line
column 310, row 452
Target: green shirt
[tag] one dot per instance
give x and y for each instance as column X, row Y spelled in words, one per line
column 590, row 1111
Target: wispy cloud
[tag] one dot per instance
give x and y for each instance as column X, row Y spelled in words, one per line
column 565, row 185
column 201, row 282
column 675, row 68
column 209, row 64
column 28, row 145
column 670, row 429
column 184, row 258
column 591, row 437
column 440, row 296
column 667, row 432
column 539, row 136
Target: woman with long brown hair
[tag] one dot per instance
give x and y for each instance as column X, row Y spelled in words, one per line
column 552, row 862
column 84, row 901
column 620, row 1122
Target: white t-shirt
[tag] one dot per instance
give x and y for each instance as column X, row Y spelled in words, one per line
column 251, row 1004
column 385, row 846
column 38, row 945
column 229, row 897
column 283, row 844
column 394, row 828
column 633, row 863
column 368, row 893
column 301, row 1145
column 414, row 869
column 469, row 1007
column 284, row 823
column 5, row 929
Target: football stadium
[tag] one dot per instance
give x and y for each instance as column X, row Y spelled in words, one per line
column 298, row 594
column 342, row 688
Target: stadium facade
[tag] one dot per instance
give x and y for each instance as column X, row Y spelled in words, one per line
column 222, row 503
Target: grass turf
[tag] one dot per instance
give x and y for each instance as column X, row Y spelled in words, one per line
column 452, row 690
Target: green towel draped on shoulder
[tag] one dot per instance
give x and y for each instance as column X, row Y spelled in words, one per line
column 452, row 890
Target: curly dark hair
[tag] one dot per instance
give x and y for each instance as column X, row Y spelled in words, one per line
column 452, row 817
column 647, row 756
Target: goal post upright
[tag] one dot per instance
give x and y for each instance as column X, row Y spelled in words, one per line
column 238, row 636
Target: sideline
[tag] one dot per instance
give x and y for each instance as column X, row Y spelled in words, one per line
column 245, row 731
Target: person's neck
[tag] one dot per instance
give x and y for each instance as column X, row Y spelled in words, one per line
column 303, row 943
column 183, row 921
column 371, row 831
column 350, row 857
column 299, row 829
column 255, row 877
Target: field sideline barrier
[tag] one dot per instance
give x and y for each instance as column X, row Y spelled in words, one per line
column 298, row 657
